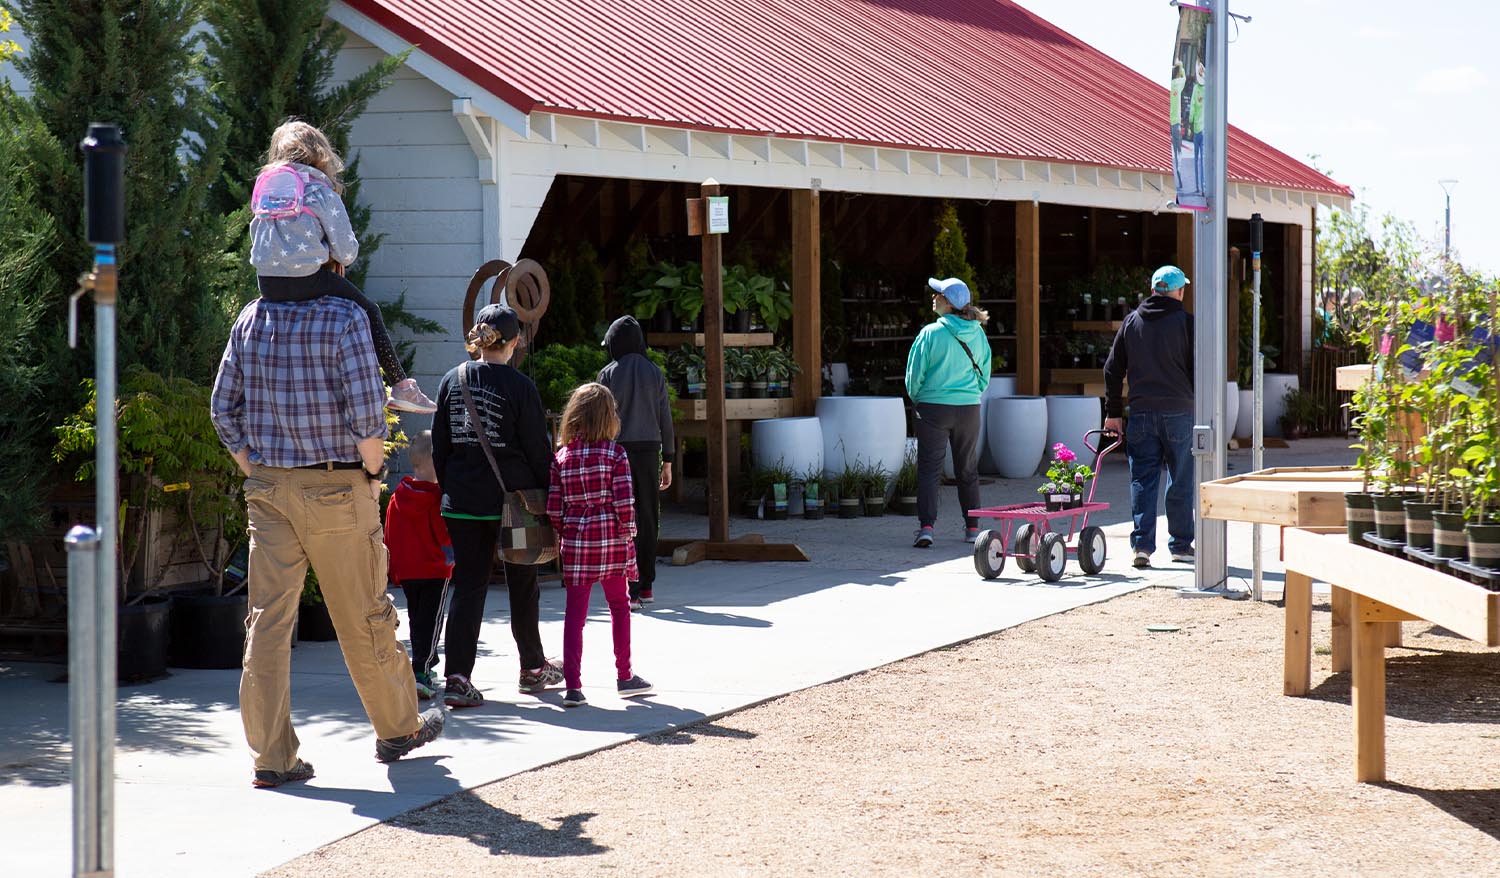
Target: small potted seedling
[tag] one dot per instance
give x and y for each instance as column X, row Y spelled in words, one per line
column 851, row 483
column 877, row 481
column 906, row 484
column 812, row 493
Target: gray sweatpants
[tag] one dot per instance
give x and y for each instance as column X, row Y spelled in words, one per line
column 938, row 426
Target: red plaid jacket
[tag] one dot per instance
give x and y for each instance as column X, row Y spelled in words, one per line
column 591, row 502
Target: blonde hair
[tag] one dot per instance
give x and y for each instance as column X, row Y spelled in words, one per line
column 970, row 311
column 590, row 416
column 420, row 450
column 481, row 336
column 297, row 141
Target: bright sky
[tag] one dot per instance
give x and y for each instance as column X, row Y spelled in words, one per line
column 1390, row 96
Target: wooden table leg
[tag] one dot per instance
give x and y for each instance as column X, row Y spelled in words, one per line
column 1342, row 610
column 1392, row 633
column 1367, row 691
column 1297, row 678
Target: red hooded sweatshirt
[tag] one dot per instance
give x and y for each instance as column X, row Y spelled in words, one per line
column 415, row 534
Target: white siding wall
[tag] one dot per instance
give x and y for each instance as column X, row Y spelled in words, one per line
column 421, row 181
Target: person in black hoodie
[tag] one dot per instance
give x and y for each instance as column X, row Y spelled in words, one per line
column 510, row 408
column 640, row 391
column 1154, row 352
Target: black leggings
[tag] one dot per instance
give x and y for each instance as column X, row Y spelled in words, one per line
column 326, row 283
column 473, row 558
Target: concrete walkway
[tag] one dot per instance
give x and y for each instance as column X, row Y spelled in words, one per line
column 719, row 638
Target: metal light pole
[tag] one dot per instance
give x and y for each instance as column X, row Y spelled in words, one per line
column 1258, row 383
column 91, row 552
column 1447, row 214
column 1211, row 324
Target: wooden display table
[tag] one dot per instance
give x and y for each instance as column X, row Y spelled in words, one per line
column 1308, row 497
column 1370, row 589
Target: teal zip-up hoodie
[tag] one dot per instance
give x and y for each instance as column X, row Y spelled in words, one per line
column 938, row 371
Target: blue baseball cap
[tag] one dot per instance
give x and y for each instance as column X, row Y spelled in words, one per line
column 1167, row 278
column 952, row 289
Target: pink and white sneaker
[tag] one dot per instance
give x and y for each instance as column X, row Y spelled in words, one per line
column 406, row 396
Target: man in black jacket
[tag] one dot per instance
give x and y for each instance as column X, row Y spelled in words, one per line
column 1154, row 352
column 646, row 434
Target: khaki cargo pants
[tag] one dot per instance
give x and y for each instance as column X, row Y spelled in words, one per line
column 326, row 518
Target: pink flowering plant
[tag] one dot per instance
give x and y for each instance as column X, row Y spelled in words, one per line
column 1065, row 475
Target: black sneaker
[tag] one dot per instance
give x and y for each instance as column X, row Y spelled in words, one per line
column 460, row 692
column 633, row 687
column 548, row 677
column 574, row 698
column 391, row 749
column 266, row 779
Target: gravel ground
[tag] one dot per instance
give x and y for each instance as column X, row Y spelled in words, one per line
column 1080, row 744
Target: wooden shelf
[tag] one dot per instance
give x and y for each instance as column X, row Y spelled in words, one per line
column 881, row 301
column 1093, row 325
column 878, row 338
column 995, row 301
column 736, row 409
column 731, row 339
column 1076, row 376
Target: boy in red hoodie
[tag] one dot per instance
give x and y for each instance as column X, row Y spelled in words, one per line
column 421, row 554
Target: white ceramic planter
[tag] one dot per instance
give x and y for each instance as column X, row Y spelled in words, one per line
column 1000, row 385
column 1069, row 418
column 1277, row 384
column 796, row 442
column 863, row 429
column 1017, row 434
column 1245, row 423
column 1231, row 408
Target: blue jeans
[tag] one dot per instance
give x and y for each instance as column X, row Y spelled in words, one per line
column 1155, row 441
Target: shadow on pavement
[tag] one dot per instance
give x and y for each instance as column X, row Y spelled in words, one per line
column 1478, row 808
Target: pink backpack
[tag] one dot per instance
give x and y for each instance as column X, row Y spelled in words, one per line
column 280, row 193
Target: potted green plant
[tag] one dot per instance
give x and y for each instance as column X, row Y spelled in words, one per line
column 851, row 484
column 687, row 300
column 1066, row 477
column 877, row 482
column 654, row 296
column 778, row 491
column 758, row 366
column 812, row 494
column 737, row 299
column 773, row 305
column 738, row 366
column 906, row 483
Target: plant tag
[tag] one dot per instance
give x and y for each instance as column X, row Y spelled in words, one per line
column 778, row 496
column 1421, row 333
column 1486, row 344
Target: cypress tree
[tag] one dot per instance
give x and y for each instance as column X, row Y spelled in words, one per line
column 950, row 254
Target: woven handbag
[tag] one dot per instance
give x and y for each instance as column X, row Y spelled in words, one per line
column 526, row 535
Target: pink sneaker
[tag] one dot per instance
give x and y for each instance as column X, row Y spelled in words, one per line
column 406, row 396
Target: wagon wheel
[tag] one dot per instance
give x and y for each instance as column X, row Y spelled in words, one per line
column 1023, row 545
column 1091, row 550
column 989, row 554
column 1051, row 557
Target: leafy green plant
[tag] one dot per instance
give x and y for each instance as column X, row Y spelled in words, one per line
column 906, row 476
column 772, row 303
column 876, row 481
column 850, row 481
column 739, row 365
column 1065, row 474
column 950, row 253
column 559, row 369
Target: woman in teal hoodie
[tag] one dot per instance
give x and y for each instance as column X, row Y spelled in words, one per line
column 946, row 374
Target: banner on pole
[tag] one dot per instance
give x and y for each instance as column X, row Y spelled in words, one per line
column 1188, row 91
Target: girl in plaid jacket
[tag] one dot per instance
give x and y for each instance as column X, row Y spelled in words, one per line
column 591, row 501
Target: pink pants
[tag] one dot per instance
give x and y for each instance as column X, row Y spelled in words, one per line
column 616, row 594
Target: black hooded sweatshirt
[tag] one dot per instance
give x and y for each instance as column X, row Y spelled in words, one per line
column 1154, row 351
column 640, row 389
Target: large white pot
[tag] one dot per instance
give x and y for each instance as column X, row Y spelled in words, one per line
column 1277, row 384
column 1245, row 423
column 1069, row 418
column 1231, row 408
column 863, row 429
column 796, row 443
column 1017, row 434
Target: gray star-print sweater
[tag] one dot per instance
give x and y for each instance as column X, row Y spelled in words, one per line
column 298, row 246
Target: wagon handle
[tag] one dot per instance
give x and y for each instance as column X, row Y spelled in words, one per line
column 1099, row 454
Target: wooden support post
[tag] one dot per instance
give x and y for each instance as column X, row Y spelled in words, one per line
column 1367, row 692
column 807, row 301
column 1028, row 299
column 1297, row 676
column 713, row 358
column 1341, row 602
column 1185, row 229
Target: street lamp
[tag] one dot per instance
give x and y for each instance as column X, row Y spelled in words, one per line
column 1447, row 214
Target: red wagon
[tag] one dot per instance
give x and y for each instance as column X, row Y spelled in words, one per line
column 1026, row 533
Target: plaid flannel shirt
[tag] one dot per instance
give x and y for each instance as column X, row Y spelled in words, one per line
column 299, row 383
column 591, row 502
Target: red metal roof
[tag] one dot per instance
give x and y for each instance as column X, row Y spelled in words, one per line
column 982, row 77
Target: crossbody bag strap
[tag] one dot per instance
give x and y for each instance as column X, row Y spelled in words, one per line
column 972, row 362
column 484, row 440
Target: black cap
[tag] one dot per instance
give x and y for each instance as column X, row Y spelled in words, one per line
column 502, row 319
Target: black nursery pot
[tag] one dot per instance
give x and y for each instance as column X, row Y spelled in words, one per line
column 1390, row 516
column 874, row 506
column 1419, row 524
column 207, row 630
column 1484, row 545
column 663, row 320
column 1359, row 516
column 1448, row 537
column 314, row 623
column 143, row 630
column 849, row 507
